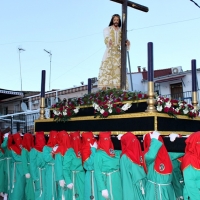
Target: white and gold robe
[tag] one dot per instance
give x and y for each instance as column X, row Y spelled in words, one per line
column 110, row 70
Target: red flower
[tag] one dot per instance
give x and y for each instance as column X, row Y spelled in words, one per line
column 105, row 114
column 61, row 108
column 114, row 105
column 166, row 110
column 118, row 110
column 105, row 106
column 139, row 95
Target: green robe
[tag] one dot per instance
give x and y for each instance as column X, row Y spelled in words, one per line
column 62, row 193
column 107, row 174
column 2, row 187
column 7, row 166
column 90, row 181
column 192, row 183
column 37, row 169
column 73, row 173
column 177, row 176
column 158, row 186
column 133, row 179
column 29, row 191
column 17, row 177
column 50, row 181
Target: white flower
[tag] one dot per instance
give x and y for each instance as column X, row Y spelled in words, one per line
column 193, row 110
column 102, row 111
column 110, row 110
column 168, row 104
column 55, row 112
column 76, row 110
column 110, row 105
column 64, row 113
column 96, row 106
column 126, row 106
column 159, row 108
column 177, row 109
column 185, row 111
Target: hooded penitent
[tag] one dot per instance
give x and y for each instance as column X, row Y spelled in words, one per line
column 40, row 141
column 28, row 141
column 192, row 152
column 17, row 146
column 1, row 139
column 131, row 148
column 76, row 143
column 63, row 142
column 53, row 139
column 163, row 164
column 105, row 143
column 87, row 139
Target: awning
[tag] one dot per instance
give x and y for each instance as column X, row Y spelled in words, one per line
column 5, row 94
column 168, row 78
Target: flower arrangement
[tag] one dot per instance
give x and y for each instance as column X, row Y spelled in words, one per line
column 64, row 110
column 103, row 110
column 105, row 96
column 175, row 107
column 104, row 102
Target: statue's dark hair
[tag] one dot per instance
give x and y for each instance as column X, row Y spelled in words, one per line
column 111, row 21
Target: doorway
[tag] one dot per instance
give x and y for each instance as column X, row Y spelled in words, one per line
column 176, row 91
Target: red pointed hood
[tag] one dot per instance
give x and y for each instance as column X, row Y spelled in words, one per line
column 53, row 139
column 63, row 142
column 28, row 141
column 1, row 140
column 131, row 148
column 163, row 164
column 105, row 143
column 87, row 139
column 76, row 143
column 17, row 146
column 192, row 152
column 40, row 141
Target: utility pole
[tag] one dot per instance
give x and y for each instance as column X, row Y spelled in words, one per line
column 50, row 55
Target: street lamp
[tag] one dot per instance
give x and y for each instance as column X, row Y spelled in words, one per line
column 20, row 49
column 50, row 55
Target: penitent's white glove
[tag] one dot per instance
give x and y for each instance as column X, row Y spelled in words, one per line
column 62, row 183
column 27, row 175
column 70, row 186
column 104, row 193
column 119, row 136
column 94, row 145
column 154, row 135
column 173, row 136
column 6, row 135
column 55, row 148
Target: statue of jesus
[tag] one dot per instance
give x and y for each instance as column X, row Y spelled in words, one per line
column 110, row 70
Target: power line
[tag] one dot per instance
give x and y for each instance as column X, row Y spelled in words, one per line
column 80, row 37
column 79, row 63
column 163, row 24
column 195, row 3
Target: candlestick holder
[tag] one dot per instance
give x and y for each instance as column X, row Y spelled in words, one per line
column 194, row 99
column 42, row 108
column 151, row 101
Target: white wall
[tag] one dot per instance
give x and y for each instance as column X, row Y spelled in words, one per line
column 137, row 82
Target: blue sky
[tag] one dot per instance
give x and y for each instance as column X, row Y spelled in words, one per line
column 73, row 32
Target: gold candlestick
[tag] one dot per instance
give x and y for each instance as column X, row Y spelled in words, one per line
column 194, row 99
column 151, row 101
column 42, row 108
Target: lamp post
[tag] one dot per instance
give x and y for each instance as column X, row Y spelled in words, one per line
column 50, row 55
column 20, row 49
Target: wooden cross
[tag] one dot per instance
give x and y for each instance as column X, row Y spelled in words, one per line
column 131, row 4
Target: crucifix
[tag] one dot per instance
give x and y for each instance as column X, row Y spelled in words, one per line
column 125, row 4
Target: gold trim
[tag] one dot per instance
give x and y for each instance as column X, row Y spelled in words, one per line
column 155, row 123
column 113, row 133
column 122, row 116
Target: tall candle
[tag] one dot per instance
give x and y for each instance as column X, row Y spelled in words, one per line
column 194, row 76
column 43, row 83
column 150, row 61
